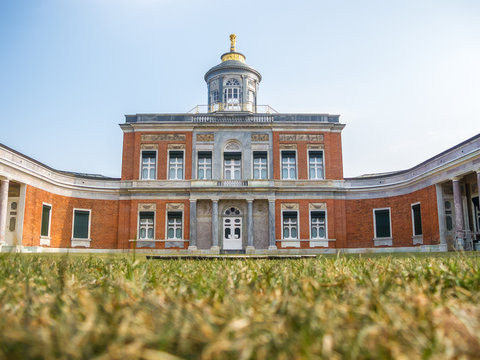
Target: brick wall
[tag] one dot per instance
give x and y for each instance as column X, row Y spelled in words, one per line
column 359, row 218
column 104, row 219
column 332, row 143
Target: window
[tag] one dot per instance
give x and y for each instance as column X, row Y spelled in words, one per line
column 417, row 220
column 289, row 166
column 81, row 224
column 318, row 229
column 175, row 165
column 382, row 223
column 215, row 98
column 232, row 166
column 149, row 159
column 260, row 168
column 231, row 94
column 46, row 217
column 146, row 222
column 315, row 165
column 174, row 226
column 290, row 226
column 204, row 165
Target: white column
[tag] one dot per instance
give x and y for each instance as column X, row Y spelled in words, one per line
column 271, row 225
column 250, row 247
column 215, row 225
column 442, row 228
column 193, row 225
column 457, row 201
column 478, row 185
column 3, row 209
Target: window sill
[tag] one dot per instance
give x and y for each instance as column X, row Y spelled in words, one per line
column 383, row 241
column 417, row 240
column 45, row 240
column 81, row 242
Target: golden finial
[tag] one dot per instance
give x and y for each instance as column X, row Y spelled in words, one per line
column 233, row 40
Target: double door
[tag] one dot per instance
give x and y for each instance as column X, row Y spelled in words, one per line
column 232, row 233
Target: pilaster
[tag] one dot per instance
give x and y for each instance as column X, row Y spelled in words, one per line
column 193, row 225
column 271, row 225
column 215, row 246
column 3, row 209
column 250, row 247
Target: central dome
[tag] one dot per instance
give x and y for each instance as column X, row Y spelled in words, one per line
column 232, row 84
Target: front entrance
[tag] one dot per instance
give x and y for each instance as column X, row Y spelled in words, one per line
column 232, row 229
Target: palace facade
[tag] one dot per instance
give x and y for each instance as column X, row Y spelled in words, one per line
column 235, row 176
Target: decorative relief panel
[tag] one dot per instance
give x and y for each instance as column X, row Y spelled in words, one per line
column 259, row 137
column 315, row 146
column 301, row 137
column 289, row 206
column 288, row 146
column 164, row 137
column 317, row 206
column 149, row 146
column 233, row 146
column 205, row 137
column 175, row 206
column 176, row 146
column 147, row 207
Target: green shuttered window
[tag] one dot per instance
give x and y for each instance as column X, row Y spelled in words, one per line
column 382, row 223
column 81, row 221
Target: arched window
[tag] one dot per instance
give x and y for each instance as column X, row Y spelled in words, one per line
column 232, row 211
column 232, row 94
column 232, row 160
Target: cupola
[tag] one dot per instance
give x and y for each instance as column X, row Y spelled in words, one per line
column 232, row 84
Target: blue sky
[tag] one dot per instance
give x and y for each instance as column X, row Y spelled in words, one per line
column 403, row 75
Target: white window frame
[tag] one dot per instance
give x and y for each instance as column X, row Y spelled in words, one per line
column 45, row 240
column 166, row 226
column 141, row 164
column 82, row 241
column 138, row 226
column 211, row 164
column 326, row 225
column 281, row 163
column 417, row 239
column 298, row 226
column 239, row 153
column 176, row 167
column 379, row 241
column 323, row 163
column 253, row 164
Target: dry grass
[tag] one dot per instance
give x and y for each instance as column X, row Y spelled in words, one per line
column 60, row 307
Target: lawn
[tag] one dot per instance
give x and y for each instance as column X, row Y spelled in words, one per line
column 345, row 307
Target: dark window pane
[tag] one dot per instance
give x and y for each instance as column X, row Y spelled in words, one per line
column 417, row 219
column 45, row 220
column 80, row 224
column 382, row 223
column 147, row 215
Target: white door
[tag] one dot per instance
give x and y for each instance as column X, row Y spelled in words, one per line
column 232, row 233
column 12, row 217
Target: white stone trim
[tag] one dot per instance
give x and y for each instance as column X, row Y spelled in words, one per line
column 290, row 242
column 166, row 224
column 140, row 178
column 314, row 242
column 323, row 163
column 45, row 240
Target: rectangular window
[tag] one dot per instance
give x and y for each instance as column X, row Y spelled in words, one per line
column 204, row 165
column 382, row 223
column 290, row 225
column 149, row 160
column 232, row 166
column 175, row 165
column 46, row 214
column 146, row 222
column 174, row 226
column 260, row 168
column 318, row 229
column 315, row 165
column 289, row 165
column 417, row 220
column 81, row 224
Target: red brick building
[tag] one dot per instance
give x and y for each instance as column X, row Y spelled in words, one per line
column 239, row 178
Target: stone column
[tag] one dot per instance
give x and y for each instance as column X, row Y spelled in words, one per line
column 3, row 209
column 215, row 246
column 193, row 225
column 459, row 225
column 271, row 225
column 478, row 185
column 250, row 246
column 441, row 217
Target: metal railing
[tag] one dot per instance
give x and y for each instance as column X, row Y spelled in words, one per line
column 225, row 107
